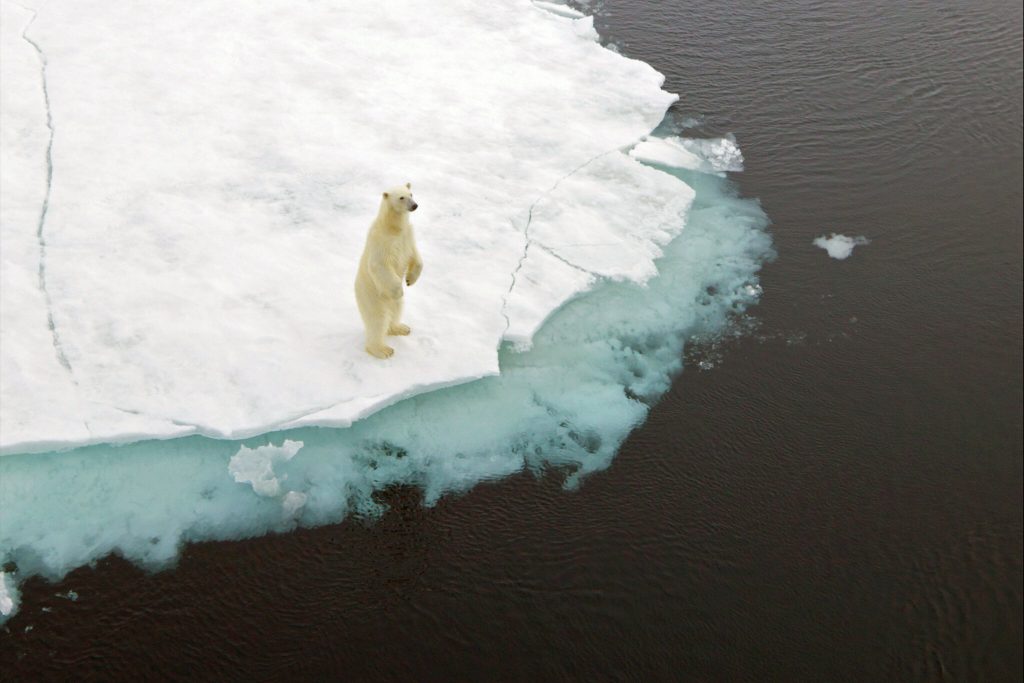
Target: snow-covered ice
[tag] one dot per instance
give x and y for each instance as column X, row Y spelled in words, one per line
column 840, row 246
column 215, row 169
column 185, row 195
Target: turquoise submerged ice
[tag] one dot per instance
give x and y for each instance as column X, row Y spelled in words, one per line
column 590, row 377
column 185, row 292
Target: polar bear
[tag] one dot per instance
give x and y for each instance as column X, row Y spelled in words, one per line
column 390, row 256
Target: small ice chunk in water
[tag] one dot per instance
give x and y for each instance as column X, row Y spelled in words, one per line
column 255, row 466
column 723, row 154
column 716, row 155
column 8, row 595
column 840, row 246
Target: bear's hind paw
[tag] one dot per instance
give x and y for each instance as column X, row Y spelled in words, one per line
column 380, row 351
column 399, row 329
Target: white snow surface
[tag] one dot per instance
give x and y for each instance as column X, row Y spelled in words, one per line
column 187, row 265
column 840, row 246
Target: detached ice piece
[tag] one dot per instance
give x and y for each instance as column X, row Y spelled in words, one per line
column 255, row 466
column 8, row 595
column 840, row 246
column 715, row 155
column 721, row 154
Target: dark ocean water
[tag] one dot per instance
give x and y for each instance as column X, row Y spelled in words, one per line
column 839, row 498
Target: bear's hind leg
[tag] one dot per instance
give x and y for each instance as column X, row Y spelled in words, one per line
column 375, row 345
column 396, row 328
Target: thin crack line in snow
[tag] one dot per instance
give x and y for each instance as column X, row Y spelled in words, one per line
column 551, row 252
column 526, row 232
column 40, row 237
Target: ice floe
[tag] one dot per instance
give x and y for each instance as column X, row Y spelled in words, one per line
column 185, row 196
column 214, row 171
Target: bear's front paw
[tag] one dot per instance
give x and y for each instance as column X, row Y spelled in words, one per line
column 399, row 329
column 413, row 275
column 380, row 351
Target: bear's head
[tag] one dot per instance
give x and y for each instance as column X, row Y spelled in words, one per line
column 400, row 198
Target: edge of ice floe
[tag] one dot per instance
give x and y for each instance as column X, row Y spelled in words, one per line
column 317, row 416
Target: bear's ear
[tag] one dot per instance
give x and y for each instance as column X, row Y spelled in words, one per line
column 408, row 186
column 385, row 195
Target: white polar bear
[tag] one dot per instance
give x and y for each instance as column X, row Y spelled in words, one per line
column 390, row 256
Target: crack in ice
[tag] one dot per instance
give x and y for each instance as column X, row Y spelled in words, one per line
column 529, row 241
column 40, row 235
column 553, row 254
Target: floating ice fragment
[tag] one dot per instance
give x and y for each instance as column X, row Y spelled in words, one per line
column 716, row 155
column 722, row 154
column 255, row 466
column 840, row 246
column 8, row 595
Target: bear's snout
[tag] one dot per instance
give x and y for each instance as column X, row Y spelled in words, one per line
column 413, row 206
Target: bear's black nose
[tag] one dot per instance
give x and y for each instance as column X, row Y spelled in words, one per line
column 414, row 206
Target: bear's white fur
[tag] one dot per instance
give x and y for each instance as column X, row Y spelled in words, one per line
column 389, row 258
